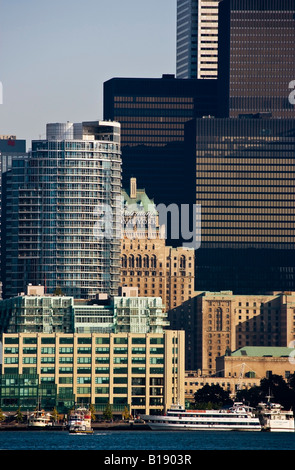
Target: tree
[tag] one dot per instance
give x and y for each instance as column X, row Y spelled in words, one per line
column 19, row 416
column 274, row 386
column 2, row 416
column 279, row 391
column 58, row 291
column 126, row 414
column 108, row 413
column 55, row 415
column 92, row 412
column 212, row 396
column 251, row 396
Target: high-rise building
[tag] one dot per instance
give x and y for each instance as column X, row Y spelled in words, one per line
column 152, row 113
column 54, row 200
column 197, row 39
column 256, row 56
column 10, row 148
column 244, row 184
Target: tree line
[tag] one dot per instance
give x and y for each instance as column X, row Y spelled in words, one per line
column 280, row 390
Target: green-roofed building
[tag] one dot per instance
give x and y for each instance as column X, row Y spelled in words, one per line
column 257, row 362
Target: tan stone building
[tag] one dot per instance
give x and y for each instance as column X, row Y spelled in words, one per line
column 155, row 269
column 257, row 362
column 244, row 369
column 218, row 322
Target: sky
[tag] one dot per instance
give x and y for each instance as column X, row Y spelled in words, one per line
column 55, row 56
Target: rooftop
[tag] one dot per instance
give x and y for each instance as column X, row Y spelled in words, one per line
column 263, row 351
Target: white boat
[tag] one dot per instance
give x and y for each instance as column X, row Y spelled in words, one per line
column 80, row 422
column 274, row 418
column 39, row 419
column 237, row 418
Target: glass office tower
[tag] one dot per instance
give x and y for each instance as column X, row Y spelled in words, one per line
column 197, row 39
column 245, row 185
column 54, row 201
column 152, row 113
column 256, row 56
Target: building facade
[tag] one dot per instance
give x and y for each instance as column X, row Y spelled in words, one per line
column 244, row 185
column 197, row 39
column 135, row 314
column 256, row 58
column 11, row 148
column 194, row 382
column 218, row 323
column 152, row 113
column 243, row 369
column 54, row 202
column 144, row 372
column 147, row 263
column 257, row 362
column 35, row 312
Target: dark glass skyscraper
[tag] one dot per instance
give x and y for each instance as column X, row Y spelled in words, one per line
column 256, row 56
column 245, row 185
column 152, row 113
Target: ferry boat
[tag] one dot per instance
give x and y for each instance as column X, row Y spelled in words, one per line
column 39, row 419
column 237, row 418
column 274, row 418
column 80, row 422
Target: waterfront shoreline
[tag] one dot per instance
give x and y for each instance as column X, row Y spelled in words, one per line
column 95, row 427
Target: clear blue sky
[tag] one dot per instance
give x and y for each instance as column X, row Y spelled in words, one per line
column 55, row 56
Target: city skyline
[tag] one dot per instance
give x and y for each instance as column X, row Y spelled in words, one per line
column 43, row 43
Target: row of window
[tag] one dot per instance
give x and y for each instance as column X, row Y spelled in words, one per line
column 88, row 370
column 85, row 340
column 69, row 350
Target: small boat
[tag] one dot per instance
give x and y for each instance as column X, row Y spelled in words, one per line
column 39, row 419
column 274, row 418
column 80, row 422
column 237, row 418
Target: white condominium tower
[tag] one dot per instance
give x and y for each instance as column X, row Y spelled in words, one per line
column 53, row 202
column 197, row 39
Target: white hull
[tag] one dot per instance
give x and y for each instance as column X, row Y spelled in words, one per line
column 37, row 425
column 80, row 422
column 39, row 419
column 282, row 426
column 167, row 427
column 238, row 418
column 274, row 419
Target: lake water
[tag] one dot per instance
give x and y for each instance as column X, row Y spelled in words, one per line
column 145, row 441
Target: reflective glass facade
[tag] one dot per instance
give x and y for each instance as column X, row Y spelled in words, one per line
column 256, row 59
column 245, row 186
column 152, row 113
column 51, row 212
